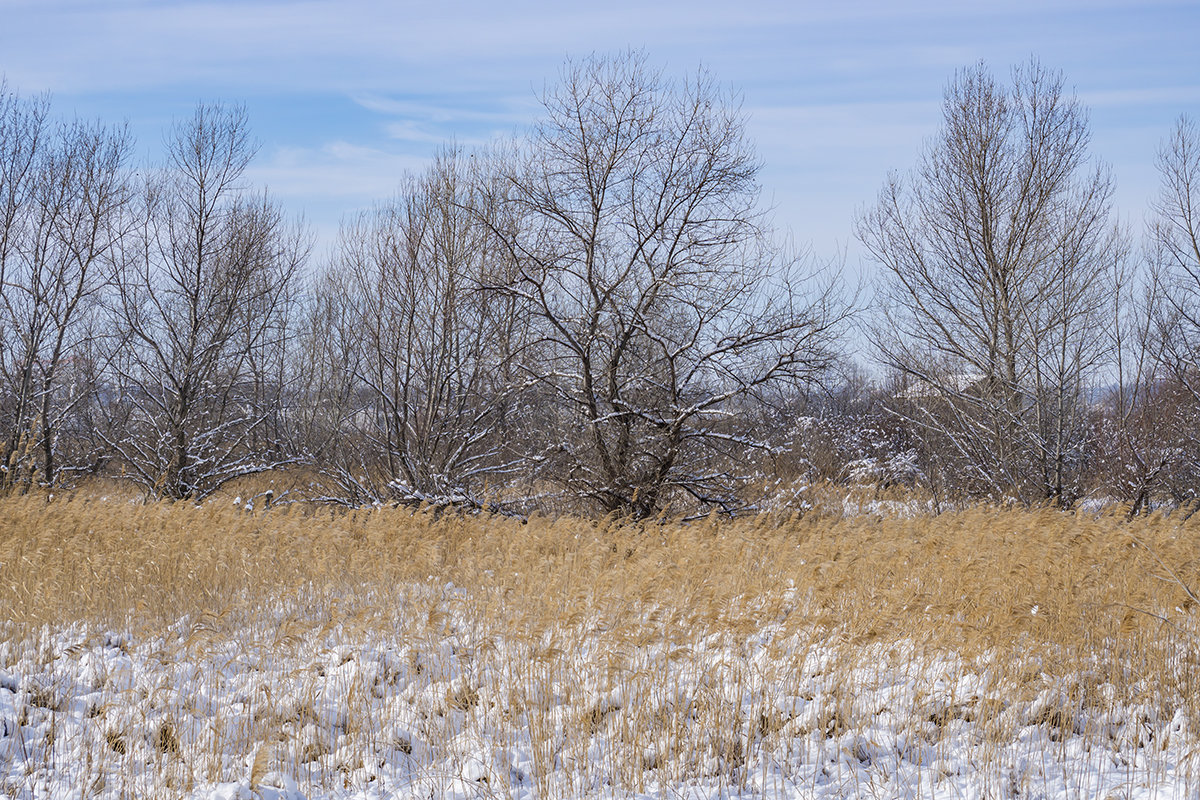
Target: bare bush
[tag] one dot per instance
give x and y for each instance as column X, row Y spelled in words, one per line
column 201, row 312
column 428, row 387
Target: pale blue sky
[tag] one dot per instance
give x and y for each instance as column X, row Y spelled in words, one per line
column 344, row 96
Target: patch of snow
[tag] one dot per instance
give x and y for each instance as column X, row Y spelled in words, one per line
column 468, row 714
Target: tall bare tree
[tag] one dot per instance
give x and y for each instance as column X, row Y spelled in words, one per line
column 659, row 302
column 63, row 192
column 998, row 258
column 1177, row 213
column 1175, row 261
column 202, row 305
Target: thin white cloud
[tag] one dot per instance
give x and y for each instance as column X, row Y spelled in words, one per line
column 843, row 145
column 381, row 45
column 417, row 133
column 1180, row 96
column 501, row 111
column 331, row 182
column 335, row 170
column 838, row 92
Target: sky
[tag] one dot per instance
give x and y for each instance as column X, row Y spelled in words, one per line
column 345, row 96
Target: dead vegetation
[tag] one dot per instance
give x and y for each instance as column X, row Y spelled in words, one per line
column 1056, row 619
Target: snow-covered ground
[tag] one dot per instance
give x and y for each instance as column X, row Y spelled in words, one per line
column 300, row 703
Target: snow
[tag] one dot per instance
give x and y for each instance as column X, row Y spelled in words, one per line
column 353, row 712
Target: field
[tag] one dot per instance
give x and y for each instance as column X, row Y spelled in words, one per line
column 174, row 651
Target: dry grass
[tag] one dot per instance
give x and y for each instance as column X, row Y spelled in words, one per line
column 967, row 580
column 999, row 619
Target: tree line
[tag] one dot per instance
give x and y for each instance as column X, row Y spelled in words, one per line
column 597, row 315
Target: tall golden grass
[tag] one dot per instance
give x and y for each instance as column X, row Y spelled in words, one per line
column 967, row 579
column 1025, row 599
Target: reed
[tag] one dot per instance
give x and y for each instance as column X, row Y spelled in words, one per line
column 343, row 649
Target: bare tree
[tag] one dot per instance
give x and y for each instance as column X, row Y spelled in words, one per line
column 63, row 191
column 659, row 303
column 428, row 345
column 202, row 300
column 1175, row 262
column 1177, row 213
column 1133, row 457
column 999, row 259
column 328, row 400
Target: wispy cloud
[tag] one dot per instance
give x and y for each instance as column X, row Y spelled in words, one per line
column 1179, row 96
column 348, row 94
column 328, row 183
column 85, row 46
column 337, row 169
column 469, row 120
column 490, row 110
